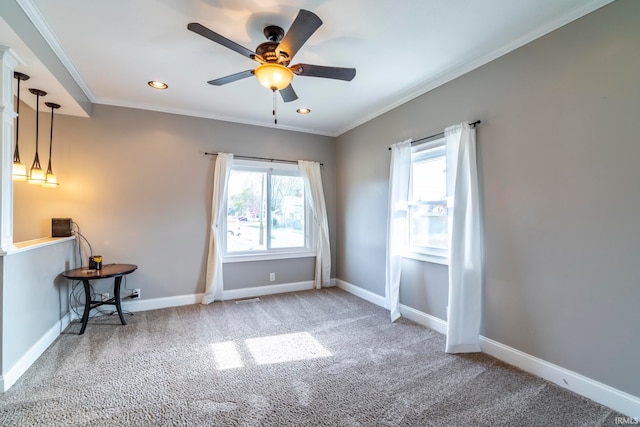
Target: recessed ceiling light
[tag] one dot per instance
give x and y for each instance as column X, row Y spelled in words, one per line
column 303, row 110
column 157, row 84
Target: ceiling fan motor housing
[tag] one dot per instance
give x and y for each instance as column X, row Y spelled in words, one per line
column 273, row 33
column 267, row 50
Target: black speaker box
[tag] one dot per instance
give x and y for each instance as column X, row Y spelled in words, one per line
column 61, row 227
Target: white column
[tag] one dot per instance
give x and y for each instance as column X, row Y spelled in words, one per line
column 8, row 62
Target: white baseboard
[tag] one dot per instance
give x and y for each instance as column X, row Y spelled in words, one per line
column 591, row 389
column 424, row 319
column 266, row 290
column 362, row 293
column 135, row 305
column 35, row 351
column 407, row 312
column 613, row 398
column 157, row 303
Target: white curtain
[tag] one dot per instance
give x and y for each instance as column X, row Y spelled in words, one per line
column 213, row 280
column 399, row 174
column 313, row 189
column 465, row 257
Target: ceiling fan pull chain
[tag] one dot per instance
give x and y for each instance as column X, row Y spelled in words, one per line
column 275, row 107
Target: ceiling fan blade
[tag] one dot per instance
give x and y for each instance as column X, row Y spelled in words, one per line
column 305, row 24
column 232, row 78
column 336, row 73
column 215, row 37
column 288, row 94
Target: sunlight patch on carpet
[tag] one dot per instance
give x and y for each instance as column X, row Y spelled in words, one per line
column 286, row 348
column 226, row 355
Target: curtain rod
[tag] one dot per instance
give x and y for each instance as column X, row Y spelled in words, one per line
column 259, row 158
column 438, row 135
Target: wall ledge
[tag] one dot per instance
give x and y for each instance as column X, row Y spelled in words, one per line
column 28, row 245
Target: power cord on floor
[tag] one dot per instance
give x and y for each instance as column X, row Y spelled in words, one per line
column 77, row 299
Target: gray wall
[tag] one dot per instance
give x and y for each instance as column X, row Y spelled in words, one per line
column 293, row 270
column 139, row 185
column 557, row 155
column 35, row 299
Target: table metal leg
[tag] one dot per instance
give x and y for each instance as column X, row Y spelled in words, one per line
column 116, row 292
column 87, row 305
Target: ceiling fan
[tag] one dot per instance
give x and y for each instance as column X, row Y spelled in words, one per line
column 274, row 56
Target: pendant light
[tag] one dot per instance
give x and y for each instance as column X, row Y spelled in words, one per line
column 19, row 169
column 51, row 181
column 36, row 174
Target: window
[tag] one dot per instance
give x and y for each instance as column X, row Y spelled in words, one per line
column 267, row 214
column 428, row 218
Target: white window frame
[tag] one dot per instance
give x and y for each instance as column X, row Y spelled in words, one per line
column 274, row 168
column 422, row 253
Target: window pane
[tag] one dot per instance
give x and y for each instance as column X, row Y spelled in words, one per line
column 428, row 225
column 246, row 215
column 428, row 219
column 429, row 179
column 287, row 212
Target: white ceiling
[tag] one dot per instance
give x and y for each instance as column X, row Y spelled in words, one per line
column 400, row 48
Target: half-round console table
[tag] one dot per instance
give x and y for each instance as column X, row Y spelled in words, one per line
column 86, row 274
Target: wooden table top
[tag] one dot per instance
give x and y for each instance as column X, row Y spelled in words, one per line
column 107, row 270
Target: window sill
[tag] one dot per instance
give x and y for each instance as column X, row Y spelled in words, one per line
column 266, row 256
column 433, row 259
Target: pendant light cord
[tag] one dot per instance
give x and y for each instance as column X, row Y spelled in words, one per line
column 36, row 160
column 50, row 141
column 16, row 153
column 38, row 93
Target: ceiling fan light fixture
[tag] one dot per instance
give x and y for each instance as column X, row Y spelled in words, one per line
column 274, row 76
column 303, row 110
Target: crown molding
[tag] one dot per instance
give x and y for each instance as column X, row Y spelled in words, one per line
column 34, row 15
column 198, row 114
column 469, row 65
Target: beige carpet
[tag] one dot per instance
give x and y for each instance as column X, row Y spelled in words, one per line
column 316, row 358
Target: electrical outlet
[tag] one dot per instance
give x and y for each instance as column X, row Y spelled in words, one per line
column 135, row 293
column 105, row 296
column 272, row 277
